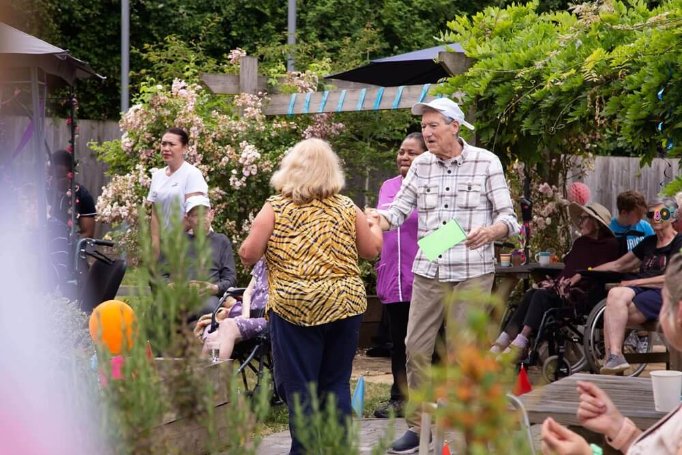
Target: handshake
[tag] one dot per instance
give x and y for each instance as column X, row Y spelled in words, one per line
column 374, row 219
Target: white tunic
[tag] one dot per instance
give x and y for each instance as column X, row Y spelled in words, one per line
column 168, row 192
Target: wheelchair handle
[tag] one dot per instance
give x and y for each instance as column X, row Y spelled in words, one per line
column 231, row 292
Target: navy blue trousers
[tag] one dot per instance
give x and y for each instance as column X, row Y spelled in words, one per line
column 321, row 355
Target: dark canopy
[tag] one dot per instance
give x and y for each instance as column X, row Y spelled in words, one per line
column 20, row 51
column 412, row 68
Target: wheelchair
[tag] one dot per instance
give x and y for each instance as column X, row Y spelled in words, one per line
column 637, row 345
column 98, row 282
column 254, row 355
column 558, row 344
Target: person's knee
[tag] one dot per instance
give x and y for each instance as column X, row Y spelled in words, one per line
column 619, row 297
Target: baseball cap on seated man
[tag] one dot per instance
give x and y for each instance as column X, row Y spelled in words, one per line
column 445, row 106
column 194, row 201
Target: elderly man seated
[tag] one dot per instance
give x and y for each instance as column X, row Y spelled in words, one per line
column 638, row 298
column 221, row 271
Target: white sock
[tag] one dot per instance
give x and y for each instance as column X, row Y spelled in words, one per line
column 501, row 343
column 520, row 341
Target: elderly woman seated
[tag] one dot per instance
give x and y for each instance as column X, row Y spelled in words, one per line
column 595, row 246
column 236, row 323
column 638, row 298
column 597, row 413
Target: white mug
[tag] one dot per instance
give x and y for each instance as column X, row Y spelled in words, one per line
column 543, row 257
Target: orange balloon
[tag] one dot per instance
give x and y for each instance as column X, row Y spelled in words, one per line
column 109, row 321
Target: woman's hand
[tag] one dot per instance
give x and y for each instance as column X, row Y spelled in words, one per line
column 204, row 287
column 596, row 411
column 557, row 439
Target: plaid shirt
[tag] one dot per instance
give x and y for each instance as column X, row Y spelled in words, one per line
column 471, row 188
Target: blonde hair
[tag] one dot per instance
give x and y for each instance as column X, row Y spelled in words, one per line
column 310, row 170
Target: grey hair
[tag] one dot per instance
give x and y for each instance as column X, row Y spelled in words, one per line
column 669, row 203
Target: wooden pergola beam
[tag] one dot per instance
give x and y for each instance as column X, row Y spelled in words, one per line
column 369, row 98
column 372, row 99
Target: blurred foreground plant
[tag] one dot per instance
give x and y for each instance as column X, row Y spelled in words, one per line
column 471, row 383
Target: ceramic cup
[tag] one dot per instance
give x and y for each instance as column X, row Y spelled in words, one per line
column 543, row 257
column 505, row 259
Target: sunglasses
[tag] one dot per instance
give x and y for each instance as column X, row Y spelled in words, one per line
column 663, row 214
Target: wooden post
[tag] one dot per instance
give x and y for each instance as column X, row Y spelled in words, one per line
column 248, row 75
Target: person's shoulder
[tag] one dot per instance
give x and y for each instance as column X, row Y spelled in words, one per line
column 425, row 158
column 393, row 181
column 344, row 200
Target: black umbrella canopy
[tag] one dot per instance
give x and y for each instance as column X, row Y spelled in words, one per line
column 20, row 51
column 412, row 68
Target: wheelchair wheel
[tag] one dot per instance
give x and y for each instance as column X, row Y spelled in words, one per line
column 574, row 353
column 550, row 365
column 635, row 341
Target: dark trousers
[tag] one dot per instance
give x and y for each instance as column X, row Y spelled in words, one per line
column 531, row 310
column 321, row 355
column 397, row 318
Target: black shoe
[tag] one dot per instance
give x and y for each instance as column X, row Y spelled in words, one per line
column 392, row 407
column 407, row 443
column 379, row 351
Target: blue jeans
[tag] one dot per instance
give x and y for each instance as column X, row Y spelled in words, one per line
column 321, row 355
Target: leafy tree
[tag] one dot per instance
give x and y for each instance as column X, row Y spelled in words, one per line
column 333, row 30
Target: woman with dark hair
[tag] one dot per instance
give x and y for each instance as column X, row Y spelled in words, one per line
column 394, row 274
column 596, row 245
column 172, row 185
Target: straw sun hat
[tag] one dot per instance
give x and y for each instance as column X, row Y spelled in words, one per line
column 594, row 210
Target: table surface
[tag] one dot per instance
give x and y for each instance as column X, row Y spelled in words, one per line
column 632, row 396
column 528, row 268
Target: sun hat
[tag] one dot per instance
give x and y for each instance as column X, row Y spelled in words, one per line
column 445, row 106
column 197, row 200
column 594, row 210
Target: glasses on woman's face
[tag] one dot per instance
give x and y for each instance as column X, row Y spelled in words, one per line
column 582, row 219
column 663, row 214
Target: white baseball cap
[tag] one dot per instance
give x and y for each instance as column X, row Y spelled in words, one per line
column 445, row 106
column 194, row 201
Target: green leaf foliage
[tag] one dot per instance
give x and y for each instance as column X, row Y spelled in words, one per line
column 573, row 82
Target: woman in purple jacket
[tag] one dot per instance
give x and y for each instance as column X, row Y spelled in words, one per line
column 394, row 274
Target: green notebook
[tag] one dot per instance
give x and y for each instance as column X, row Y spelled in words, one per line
column 442, row 239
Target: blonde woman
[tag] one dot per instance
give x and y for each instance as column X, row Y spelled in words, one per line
column 311, row 237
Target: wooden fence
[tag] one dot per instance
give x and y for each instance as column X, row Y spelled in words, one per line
column 614, row 174
column 57, row 135
column 610, row 176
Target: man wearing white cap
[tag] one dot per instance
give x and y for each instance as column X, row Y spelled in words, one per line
column 221, row 273
column 453, row 180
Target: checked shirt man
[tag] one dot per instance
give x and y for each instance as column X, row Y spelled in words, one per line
column 452, row 180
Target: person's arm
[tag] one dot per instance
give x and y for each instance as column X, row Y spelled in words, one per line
column 86, row 210
column 369, row 236
column 86, row 226
column 597, row 413
column 651, row 282
column 196, row 184
column 155, row 232
column 556, row 439
column 246, row 299
column 504, row 222
column 261, row 229
column 626, row 262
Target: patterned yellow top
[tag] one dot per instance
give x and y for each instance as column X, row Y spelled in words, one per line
column 313, row 261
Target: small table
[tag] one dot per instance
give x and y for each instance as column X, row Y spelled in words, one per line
column 506, row 278
column 559, row 400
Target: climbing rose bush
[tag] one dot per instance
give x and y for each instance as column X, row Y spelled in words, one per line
column 231, row 141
